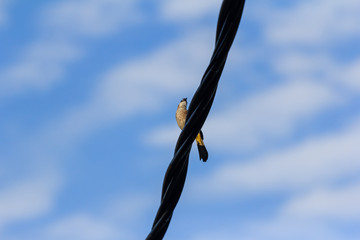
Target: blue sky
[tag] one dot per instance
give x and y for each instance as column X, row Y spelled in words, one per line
column 88, row 95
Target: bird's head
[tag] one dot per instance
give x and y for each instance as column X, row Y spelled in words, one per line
column 183, row 103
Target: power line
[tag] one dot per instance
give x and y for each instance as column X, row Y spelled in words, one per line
column 174, row 180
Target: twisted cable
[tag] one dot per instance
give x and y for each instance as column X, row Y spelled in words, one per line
column 174, row 180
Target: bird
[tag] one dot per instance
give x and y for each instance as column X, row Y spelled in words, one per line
column 181, row 113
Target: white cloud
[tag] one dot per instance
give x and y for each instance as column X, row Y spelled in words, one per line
column 269, row 115
column 124, row 90
column 273, row 114
column 339, row 204
column 297, row 65
column 347, row 75
column 44, row 62
column 139, row 86
column 26, row 200
column 94, row 17
column 312, row 163
column 163, row 136
column 315, row 214
column 3, row 11
column 313, row 22
column 40, row 67
column 145, row 82
column 321, row 67
column 305, row 39
column 276, row 228
column 130, row 208
column 188, row 9
column 117, row 219
column 82, row 227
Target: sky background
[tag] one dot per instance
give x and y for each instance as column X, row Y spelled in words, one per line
column 88, row 95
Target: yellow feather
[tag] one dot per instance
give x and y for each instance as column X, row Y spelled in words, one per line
column 199, row 140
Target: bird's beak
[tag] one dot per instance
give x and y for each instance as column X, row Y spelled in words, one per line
column 184, row 99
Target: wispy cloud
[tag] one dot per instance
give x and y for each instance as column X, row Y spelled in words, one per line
column 141, row 85
column 337, row 204
column 82, row 227
column 294, row 45
column 316, row 74
column 272, row 114
column 316, row 214
column 27, row 199
column 90, row 18
column 116, row 219
column 130, row 208
column 277, row 228
column 123, row 91
column 42, row 65
column 3, row 11
column 188, row 10
column 312, row 163
column 313, row 23
column 69, row 23
column 320, row 67
column 172, row 68
column 306, row 38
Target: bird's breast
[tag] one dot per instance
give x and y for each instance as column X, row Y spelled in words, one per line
column 181, row 117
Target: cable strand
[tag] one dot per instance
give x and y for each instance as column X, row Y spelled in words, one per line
column 199, row 108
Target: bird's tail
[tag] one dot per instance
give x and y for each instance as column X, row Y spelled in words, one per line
column 203, row 153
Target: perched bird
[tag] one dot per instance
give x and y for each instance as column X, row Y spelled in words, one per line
column 180, row 115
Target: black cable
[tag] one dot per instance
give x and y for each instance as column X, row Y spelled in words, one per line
column 174, row 180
